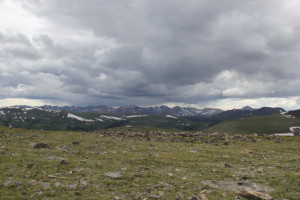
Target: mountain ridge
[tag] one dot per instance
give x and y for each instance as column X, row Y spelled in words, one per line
column 133, row 109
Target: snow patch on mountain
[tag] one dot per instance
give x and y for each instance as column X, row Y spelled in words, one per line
column 111, row 117
column 79, row 118
column 27, row 109
column 170, row 116
column 135, row 116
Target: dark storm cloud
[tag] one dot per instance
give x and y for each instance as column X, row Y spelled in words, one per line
column 160, row 51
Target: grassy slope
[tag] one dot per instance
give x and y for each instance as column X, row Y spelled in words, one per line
column 261, row 125
column 148, row 167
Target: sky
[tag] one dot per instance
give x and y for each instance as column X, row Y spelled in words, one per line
column 201, row 53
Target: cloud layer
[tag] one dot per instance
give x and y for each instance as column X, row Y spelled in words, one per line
column 149, row 52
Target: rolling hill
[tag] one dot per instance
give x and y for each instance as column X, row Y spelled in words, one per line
column 245, row 113
column 268, row 124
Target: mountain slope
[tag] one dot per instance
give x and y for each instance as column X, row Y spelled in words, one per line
column 295, row 113
column 241, row 113
column 259, row 124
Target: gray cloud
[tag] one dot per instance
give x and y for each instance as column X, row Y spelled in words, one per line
column 152, row 52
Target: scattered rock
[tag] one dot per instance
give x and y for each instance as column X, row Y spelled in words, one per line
column 57, row 184
column 247, row 152
column 11, row 183
column 254, row 187
column 198, row 197
column 203, row 197
column 52, row 176
column 192, row 198
column 44, row 185
column 71, row 186
column 69, row 172
column 161, row 193
column 98, row 187
column 63, row 149
column 84, row 182
column 195, row 151
column 41, row 145
column 39, row 193
column 78, row 169
column 240, row 187
column 113, row 175
column 260, row 170
column 255, row 195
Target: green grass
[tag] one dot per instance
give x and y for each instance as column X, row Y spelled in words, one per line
column 261, row 125
column 173, row 170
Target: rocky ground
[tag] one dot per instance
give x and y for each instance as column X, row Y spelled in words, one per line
column 130, row 164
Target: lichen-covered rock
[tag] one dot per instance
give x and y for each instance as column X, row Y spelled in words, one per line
column 254, row 194
column 11, row 183
column 113, row 175
column 246, row 189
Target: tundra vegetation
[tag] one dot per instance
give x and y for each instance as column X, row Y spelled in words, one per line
column 145, row 163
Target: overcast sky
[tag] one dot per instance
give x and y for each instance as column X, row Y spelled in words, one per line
column 224, row 54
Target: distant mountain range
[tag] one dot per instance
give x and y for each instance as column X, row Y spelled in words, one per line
column 50, row 119
column 132, row 109
column 104, row 117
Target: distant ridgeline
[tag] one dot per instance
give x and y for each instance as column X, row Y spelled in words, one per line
column 156, row 110
column 105, row 117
